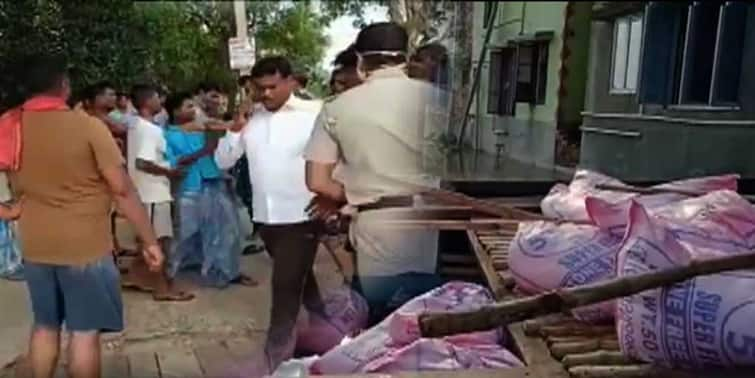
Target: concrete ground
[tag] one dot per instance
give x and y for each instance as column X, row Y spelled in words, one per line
column 235, row 313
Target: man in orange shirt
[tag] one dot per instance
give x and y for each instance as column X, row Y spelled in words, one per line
column 64, row 227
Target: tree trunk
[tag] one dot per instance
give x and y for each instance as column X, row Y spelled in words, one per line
column 461, row 62
column 414, row 16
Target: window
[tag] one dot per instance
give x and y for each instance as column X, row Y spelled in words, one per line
column 500, row 81
column 532, row 70
column 517, row 74
column 693, row 53
column 627, row 39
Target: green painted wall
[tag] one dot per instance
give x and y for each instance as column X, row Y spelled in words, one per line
column 538, row 16
column 532, row 130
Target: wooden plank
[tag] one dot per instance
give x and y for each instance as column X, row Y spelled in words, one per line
column 115, row 365
column 434, row 224
column 522, row 201
column 499, row 240
column 178, row 364
column 432, row 212
column 485, row 263
column 500, row 265
column 536, row 354
column 485, row 206
column 143, row 365
column 214, row 360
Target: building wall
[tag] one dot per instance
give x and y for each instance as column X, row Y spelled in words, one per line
column 532, row 131
column 652, row 142
column 599, row 98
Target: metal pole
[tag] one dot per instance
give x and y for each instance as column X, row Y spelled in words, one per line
column 239, row 11
column 478, row 73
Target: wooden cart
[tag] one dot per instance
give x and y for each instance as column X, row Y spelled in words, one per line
column 561, row 346
column 474, row 247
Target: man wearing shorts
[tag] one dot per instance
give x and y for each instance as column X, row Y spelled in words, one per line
column 65, row 233
column 151, row 172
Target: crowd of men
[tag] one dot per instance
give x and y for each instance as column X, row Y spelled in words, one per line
column 173, row 164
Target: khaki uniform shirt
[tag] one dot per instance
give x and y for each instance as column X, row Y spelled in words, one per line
column 375, row 131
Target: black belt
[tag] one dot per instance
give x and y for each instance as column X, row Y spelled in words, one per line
column 388, row 202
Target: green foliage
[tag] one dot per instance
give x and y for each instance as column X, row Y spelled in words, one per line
column 187, row 44
column 295, row 31
column 178, row 44
column 355, row 8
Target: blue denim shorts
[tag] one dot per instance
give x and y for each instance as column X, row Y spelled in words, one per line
column 84, row 298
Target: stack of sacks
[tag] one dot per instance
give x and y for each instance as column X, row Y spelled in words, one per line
column 395, row 345
column 702, row 322
column 547, row 255
column 568, row 202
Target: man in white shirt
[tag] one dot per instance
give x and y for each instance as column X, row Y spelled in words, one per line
column 151, row 173
column 273, row 141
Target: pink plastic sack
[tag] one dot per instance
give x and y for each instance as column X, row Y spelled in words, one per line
column 568, row 202
column 345, row 314
column 702, row 322
column 545, row 256
column 395, row 344
column 713, row 207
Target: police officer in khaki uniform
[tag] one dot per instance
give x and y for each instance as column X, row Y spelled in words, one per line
column 374, row 132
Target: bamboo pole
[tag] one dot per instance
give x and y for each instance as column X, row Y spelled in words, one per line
column 653, row 190
column 501, row 314
column 459, row 225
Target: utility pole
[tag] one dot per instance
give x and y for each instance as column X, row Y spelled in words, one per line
column 242, row 33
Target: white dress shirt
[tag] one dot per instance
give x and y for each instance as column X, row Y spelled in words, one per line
column 274, row 145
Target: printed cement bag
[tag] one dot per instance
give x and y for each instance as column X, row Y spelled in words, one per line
column 568, row 202
column 545, row 256
column 702, row 322
column 718, row 208
column 345, row 314
column 395, row 344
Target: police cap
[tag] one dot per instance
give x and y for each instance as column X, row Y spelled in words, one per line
column 382, row 38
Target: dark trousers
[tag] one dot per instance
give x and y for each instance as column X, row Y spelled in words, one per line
column 293, row 248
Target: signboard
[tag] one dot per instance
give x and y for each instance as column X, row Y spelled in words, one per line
column 241, row 53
